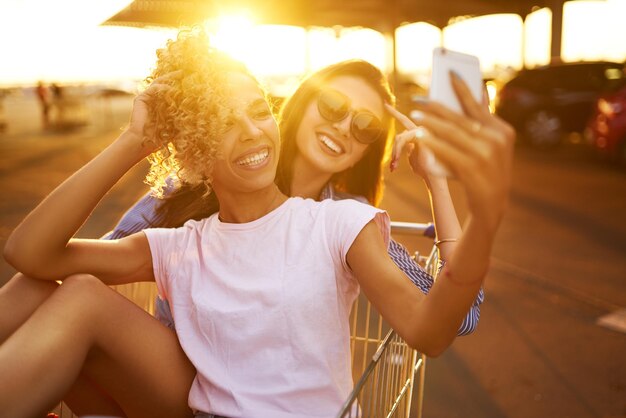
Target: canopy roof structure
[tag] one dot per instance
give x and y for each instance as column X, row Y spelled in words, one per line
column 381, row 15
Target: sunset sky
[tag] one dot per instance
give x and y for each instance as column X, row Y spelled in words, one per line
column 62, row 41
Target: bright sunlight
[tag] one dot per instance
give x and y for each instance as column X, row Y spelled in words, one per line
column 62, row 41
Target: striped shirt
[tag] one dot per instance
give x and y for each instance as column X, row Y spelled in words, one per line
column 144, row 215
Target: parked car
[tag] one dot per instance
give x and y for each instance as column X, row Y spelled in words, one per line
column 606, row 129
column 546, row 102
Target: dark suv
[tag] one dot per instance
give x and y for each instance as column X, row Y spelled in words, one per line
column 546, row 102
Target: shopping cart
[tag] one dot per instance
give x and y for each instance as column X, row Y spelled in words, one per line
column 388, row 373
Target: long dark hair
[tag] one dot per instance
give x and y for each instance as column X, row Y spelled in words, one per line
column 184, row 203
column 365, row 178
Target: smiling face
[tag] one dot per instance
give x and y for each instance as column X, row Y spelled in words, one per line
column 250, row 143
column 330, row 147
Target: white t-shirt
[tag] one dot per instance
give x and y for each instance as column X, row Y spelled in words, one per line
column 261, row 308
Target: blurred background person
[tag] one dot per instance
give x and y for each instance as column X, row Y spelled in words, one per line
column 43, row 95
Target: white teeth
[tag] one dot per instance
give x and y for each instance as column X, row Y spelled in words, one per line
column 330, row 144
column 254, row 159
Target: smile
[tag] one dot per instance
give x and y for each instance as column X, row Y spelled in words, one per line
column 253, row 160
column 330, row 144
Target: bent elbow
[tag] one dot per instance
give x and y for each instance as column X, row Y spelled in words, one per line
column 432, row 348
column 434, row 352
column 18, row 257
column 10, row 254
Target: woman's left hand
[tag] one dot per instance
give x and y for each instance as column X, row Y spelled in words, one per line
column 140, row 126
column 475, row 147
column 420, row 159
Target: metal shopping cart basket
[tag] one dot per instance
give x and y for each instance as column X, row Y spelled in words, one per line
column 388, row 373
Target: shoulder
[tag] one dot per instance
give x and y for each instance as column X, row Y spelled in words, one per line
column 345, row 211
column 325, row 206
column 329, row 192
column 189, row 229
column 347, row 206
column 348, row 196
column 194, row 224
column 348, row 213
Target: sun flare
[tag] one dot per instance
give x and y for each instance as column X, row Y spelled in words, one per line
column 63, row 41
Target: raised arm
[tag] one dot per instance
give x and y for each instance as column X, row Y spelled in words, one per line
column 428, row 323
column 42, row 245
column 447, row 225
column 477, row 148
column 424, row 281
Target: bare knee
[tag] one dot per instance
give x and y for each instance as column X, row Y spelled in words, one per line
column 82, row 281
column 20, row 297
column 21, row 286
column 84, row 294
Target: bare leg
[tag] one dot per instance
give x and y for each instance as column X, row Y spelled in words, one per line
column 19, row 299
column 85, row 326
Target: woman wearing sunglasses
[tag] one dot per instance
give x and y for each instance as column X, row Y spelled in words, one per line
column 336, row 136
column 262, row 289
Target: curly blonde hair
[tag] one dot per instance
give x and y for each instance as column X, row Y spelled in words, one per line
column 189, row 117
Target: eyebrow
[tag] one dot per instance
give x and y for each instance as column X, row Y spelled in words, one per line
column 257, row 102
column 363, row 109
column 246, row 107
column 357, row 109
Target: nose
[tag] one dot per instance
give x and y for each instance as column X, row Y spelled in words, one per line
column 249, row 129
column 343, row 126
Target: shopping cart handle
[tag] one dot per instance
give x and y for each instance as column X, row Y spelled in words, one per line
column 414, row 228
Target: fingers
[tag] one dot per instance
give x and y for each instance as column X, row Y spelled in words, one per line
column 475, row 147
column 402, row 139
column 485, row 97
column 400, row 117
column 470, row 106
column 156, row 88
column 168, row 77
column 465, row 144
column 162, row 83
column 400, row 142
column 153, row 92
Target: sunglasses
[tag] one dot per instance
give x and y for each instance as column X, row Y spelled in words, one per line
column 365, row 126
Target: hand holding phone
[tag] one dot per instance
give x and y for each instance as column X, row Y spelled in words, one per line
column 466, row 66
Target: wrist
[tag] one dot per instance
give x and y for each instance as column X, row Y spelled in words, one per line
column 488, row 225
column 131, row 144
column 436, row 183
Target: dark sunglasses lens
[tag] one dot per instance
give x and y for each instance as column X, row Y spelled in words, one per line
column 366, row 128
column 333, row 106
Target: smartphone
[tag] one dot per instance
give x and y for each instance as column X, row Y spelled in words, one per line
column 465, row 66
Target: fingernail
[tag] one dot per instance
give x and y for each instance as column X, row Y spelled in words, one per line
column 420, row 99
column 455, row 75
column 416, row 115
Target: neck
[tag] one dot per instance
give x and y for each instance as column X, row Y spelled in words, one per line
column 249, row 206
column 307, row 182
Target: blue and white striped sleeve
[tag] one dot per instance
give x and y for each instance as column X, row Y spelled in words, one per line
column 141, row 216
column 425, row 281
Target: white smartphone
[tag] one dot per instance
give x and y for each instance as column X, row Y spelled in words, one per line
column 465, row 66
